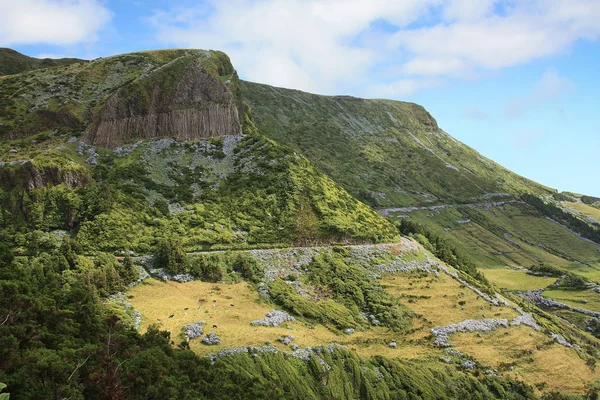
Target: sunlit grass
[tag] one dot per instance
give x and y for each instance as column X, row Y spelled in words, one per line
column 587, row 299
column 536, row 359
column 511, row 279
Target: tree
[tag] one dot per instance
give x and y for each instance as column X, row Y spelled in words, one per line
column 170, row 255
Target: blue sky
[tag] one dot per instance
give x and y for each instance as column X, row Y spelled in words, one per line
column 515, row 79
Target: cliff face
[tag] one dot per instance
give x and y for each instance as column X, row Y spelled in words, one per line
column 183, row 94
column 195, row 104
column 26, row 175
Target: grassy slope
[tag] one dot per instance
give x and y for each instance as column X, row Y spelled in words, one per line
column 256, row 192
column 231, row 192
column 13, row 62
column 514, row 235
column 387, row 153
column 435, row 300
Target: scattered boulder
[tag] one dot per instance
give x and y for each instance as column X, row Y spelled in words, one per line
column 469, row 364
column 286, row 339
column 194, row 330
column 392, row 345
column 349, row 331
column 211, row 339
column 273, row 318
column 442, row 332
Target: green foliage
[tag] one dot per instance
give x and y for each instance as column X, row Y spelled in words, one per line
column 590, row 200
column 3, row 396
column 354, row 287
column 208, row 267
column 550, row 210
column 170, row 255
column 327, row 312
column 568, row 279
column 13, row 62
column 562, row 196
column 247, row 267
column 385, row 153
column 443, row 249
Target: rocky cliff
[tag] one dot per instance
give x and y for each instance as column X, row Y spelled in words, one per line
column 183, row 94
column 27, row 175
column 196, row 105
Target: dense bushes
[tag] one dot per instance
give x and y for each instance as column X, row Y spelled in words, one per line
column 550, row 210
column 213, row 267
column 590, row 200
column 346, row 294
column 58, row 341
column 354, row 287
column 568, row 279
column 443, row 249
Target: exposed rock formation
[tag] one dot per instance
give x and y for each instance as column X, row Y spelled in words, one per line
column 25, row 174
column 198, row 105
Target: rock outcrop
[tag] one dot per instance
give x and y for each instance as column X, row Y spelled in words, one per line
column 27, row 175
column 195, row 104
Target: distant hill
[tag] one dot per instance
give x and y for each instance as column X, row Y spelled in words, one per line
column 12, row 62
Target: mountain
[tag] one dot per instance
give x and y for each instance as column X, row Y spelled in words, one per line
column 170, row 231
column 393, row 156
column 390, row 153
column 13, row 62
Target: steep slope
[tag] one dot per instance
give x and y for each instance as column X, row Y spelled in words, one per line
column 186, row 94
column 387, row 153
column 13, row 62
column 156, row 154
column 393, row 156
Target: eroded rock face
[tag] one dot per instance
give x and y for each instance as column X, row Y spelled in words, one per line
column 196, row 106
column 30, row 177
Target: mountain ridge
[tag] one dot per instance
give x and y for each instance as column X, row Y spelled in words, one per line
column 169, row 231
column 13, row 62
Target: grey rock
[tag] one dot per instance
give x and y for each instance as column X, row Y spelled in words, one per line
column 194, row 330
column 211, row 339
column 469, row 364
column 273, row 318
column 442, row 333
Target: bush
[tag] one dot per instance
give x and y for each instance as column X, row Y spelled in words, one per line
column 170, row 255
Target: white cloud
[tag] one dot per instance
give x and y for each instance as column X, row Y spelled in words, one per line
column 57, row 22
column 527, row 139
column 401, row 87
column 324, row 46
column 475, row 113
column 550, row 88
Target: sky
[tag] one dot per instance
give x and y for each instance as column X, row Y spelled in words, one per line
column 516, row 79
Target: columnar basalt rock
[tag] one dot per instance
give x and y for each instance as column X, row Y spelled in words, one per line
column 198, row 106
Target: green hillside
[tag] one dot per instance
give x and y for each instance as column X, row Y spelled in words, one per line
column 386, row 153
column 168, row 231
column 13, row 62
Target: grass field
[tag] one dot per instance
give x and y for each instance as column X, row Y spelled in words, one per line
column 437, row 301
column 513, row 235
column 535, row 359
column 585, row 209
column 212, row 303
column 442, row 301
column 511, row 279
column 587, row 299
